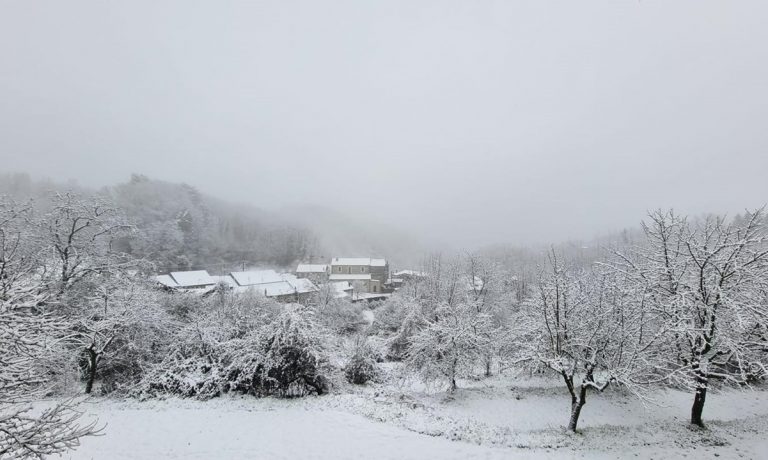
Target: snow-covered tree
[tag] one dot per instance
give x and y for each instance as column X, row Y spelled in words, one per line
column 20, row 249
column 288, row 358
column 30, row 349
column 361, row 366
column 118, row 330
column 336, row 313
column 582, row 326
column 706, row 281
column 81, row 233
column 449, row 326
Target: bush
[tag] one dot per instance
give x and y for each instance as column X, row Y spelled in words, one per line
column 186, row 377
column 288, row 361
column 361, row 367
column 341, row 316
column 284, row 357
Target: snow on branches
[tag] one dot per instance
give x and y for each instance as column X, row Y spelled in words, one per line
column 705, row 281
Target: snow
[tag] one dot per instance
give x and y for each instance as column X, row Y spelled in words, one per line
column 274, row 289
column 408, row 273
column 252, row 277
column 369, row 296
column 192, row 278
column 224, row 279
column 495, row 418
column 340, row 288
column 350, row 276
column 301, row 285
column 254, row 429
column 312, row 268
column 166, row 281
column 367, row 261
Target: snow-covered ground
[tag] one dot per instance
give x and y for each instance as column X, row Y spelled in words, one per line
column 496, row 418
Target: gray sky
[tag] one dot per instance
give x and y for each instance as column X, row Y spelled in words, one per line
column 473, row 121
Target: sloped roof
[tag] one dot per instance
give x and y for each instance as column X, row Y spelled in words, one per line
column 302, row 286
column 359, row 261
column 350, row 276
column 312, row 268
column 409, row 273
column 166, row 281
column 192, row 278
column 378, row 262
column 252, row 277
column 274, row 289
column 224, row 279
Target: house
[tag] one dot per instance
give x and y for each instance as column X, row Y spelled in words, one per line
column 408, row 274
column 361, row 282
column 342, row 289
column 401, row 277
column 253, row 277
column 366, row 274
column 187, row 280
column 284, row 287
column 318, row 273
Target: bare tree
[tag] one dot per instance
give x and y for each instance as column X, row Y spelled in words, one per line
column 81, row 233
column 30, row 344
column 581, row 326
column 450, row 326
column 19, row 247
column 706, row 281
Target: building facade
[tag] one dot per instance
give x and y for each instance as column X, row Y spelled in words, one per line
column 365, row 273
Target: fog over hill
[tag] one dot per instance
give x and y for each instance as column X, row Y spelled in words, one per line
column 183, row 227
column 473, row 123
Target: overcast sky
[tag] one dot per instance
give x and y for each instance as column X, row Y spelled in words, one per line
column 472, row 121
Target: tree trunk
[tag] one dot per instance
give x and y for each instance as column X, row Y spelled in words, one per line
column 454, row 364
column 488, row 366
column 92, row 362
column 698, row 399
column 576, row 405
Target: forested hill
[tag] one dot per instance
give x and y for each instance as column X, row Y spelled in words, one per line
column 182, row 228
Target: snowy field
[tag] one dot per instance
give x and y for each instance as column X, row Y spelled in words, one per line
column 496, row 418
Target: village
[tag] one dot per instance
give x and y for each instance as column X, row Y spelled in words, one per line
column 353, row 278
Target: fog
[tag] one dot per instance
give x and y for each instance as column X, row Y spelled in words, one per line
column 468, row 122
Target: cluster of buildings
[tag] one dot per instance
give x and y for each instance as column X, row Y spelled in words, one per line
column 358, row 278
column 281, row 286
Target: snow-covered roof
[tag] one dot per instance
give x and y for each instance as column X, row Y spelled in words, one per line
column 408, row 273
column 378, row 262
column 359, row 261
column 275, row 289
column 369, row 296
column 312, row 268
column 342, row 285
column 252, row 277
column 302, row 286
column 350, row 276
column 166, row 281
column 224, row 279
column 192, row 278
column 340, row 289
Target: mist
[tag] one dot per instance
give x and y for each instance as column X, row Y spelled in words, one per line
column 464, row 123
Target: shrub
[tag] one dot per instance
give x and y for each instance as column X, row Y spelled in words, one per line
column 361, row 367
column 287, row 359
column 226, row 351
